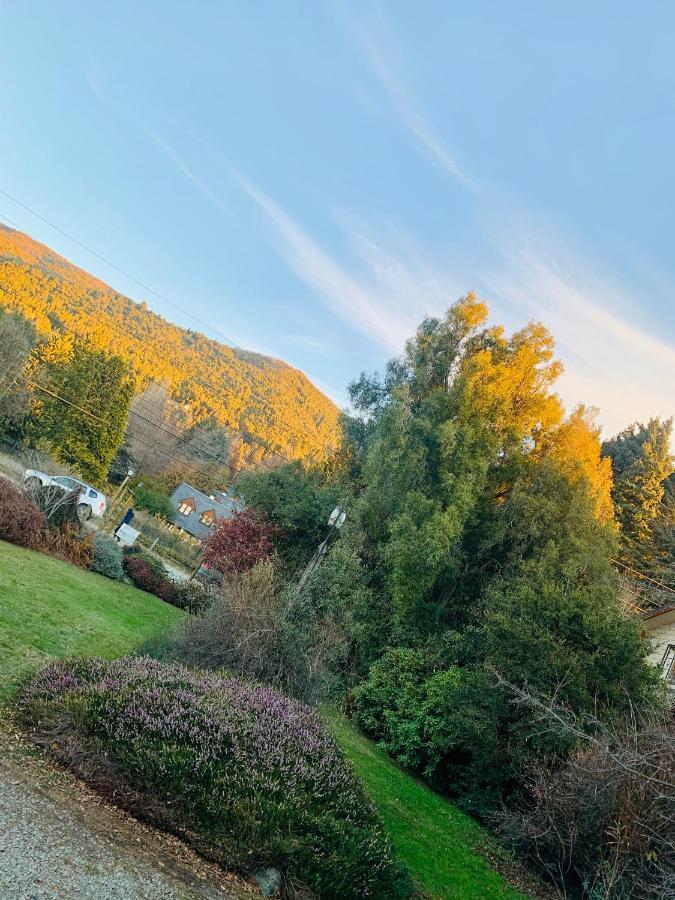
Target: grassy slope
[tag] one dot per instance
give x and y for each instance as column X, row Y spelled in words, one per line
column 437, row 841
column 49, row 608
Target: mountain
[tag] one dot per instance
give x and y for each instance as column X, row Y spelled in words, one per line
column 271, row 403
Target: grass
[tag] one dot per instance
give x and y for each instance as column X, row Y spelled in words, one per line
column 51, row 609
column 442, row 847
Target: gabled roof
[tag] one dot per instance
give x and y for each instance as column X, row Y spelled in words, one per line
column 653, row 616
column 219, row 505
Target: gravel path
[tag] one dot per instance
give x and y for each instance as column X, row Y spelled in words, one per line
column 51, row 848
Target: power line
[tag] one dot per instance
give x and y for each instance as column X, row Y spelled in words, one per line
column 659, row 584
column 140, row 340
column 121, row 271
column 99, row 419
column 233, row 469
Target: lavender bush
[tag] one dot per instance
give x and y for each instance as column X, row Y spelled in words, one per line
column 251, row 777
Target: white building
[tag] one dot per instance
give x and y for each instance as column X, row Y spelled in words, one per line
column 659, row 626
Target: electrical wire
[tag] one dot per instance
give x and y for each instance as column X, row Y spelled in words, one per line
column 122, row 271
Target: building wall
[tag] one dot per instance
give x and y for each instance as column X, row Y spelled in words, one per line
column 660, row 636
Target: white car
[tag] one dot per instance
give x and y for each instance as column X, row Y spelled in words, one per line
column 90, row 502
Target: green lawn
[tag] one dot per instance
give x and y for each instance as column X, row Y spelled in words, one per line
column 437, row 841
column 49, row 608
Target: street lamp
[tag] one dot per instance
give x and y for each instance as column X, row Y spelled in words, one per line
column 336, row 520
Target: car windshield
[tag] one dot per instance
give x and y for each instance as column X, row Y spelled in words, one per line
column 65, row 482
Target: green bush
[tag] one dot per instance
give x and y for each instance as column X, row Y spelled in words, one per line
column 193, row 597
column 250, row 777
column 443, row 722
column 106, row 557
column 154, row 501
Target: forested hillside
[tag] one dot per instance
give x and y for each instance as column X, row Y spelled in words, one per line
column 264, row 398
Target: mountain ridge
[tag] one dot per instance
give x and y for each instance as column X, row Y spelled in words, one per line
column 273, row 404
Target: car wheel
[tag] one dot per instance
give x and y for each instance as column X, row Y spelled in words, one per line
column 83, row 511
column 33, row 483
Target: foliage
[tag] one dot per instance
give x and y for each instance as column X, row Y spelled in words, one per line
column 250, row 776
column 271, row 402
column 86, row 430
column 61, row 610
column 484, row 524
column 58, row 505
column 68, row 544
column 642, row 462
column 238, row 544
column 155, row 502
column 146, row 577
column 17, row 339
column 106, row 557
column 600, row 825
column 193, row 597
column 258, row 627
column 21, row 522
column 296, row 501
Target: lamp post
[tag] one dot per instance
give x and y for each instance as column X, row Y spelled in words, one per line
column 335, row 522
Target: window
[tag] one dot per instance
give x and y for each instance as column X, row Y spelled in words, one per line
column 185, row 508
column 92, row 493
column 207, row 518
column 668, row 664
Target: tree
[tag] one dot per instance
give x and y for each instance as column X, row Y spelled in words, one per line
column 296, row 501
column 80, row 411
column 641, row 462
column 238, row 544
column 485, row 521
column 17, row 339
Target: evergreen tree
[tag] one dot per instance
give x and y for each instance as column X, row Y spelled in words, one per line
column 641, row 462
column 17, row 338
column 81, row 412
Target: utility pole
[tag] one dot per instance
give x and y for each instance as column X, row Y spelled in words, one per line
column 335, row 521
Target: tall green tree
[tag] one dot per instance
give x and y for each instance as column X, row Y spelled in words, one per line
column 17, row 339
column 81, row 405
column 642, row 463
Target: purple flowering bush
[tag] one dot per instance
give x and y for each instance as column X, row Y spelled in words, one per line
column 251, row 777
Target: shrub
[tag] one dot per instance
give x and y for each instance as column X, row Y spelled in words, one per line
column 106, row 557
column 238, row 544
column 145, row 577
column 193, row 597
column 253, row 628
column 601, row 824
column 154, row 501
column 249, row 776
column 441, row 722
column 21, row 522
column 68, row 544
column 58, row 505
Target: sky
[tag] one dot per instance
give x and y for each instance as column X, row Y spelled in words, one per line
column 311, row 179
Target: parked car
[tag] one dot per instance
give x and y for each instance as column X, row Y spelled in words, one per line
column 90, row 501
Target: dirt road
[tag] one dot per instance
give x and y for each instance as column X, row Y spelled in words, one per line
column 59, row 839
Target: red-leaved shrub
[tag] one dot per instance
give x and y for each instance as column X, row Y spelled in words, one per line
column 21, row 522
column 238, row 544
column 147, row 579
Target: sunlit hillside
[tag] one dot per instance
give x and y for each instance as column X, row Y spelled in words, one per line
column 261, row 397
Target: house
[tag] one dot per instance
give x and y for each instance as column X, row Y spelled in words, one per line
column 198, row 513
column 659, row 626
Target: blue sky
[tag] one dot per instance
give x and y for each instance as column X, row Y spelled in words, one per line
column 312, row 178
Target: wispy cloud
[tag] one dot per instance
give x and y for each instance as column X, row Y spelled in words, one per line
column 182, row 166
column 347, row 296
column 611, row 362
column 409, row 112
